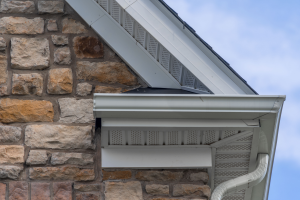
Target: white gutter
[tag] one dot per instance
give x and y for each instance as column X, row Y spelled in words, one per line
column 245, row 181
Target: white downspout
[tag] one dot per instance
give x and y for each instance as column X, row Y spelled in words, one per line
column 245, row 181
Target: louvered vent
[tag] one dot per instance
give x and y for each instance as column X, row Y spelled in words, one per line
column 115, row 11
column 136, row 137
column 128, row 23
column 174, row 138
column 210, row 136
column 154, row 138
column 117, row 137
column 176, row 69
column 189, row 79
column 103, row 4
column 141, row 35
column 164, row 58
column 152, row 46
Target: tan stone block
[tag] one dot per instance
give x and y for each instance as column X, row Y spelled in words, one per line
column 52, row 25
column 2, row 44
column 59, row 137
column 156, row 189
column 62, row 56
column 84, row 89
column 201, row 176
column 60, row 39
column 37, row 157
column 125, row 191
column 61, row 173
column 3, row 69
column 25, row 84
column 9, row 6
column 10, row 172
column 13, row 110
column 40, row 191
column 11, row 154
column 30, row 53
column 166, row 199
column 106, row 89
column 116, row 175
column 105, row 72
column 87, row 187
column 61, row 158
column 2, row 191
column 18, row 191
column 9, row 134
column 159, row 176
column 50, row 7
column 88, row 47
column 62, row 191
column 60, row 81
column 21, row 25
column 72, row 26
column 191, row 190
column 87, row 196
column 3, row 91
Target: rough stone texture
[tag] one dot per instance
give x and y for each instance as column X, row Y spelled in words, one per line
column 159, row 176
column 51, row 7
column 201, row 176
column 61, row 173
column 27, row 84
column 10, row 134
column 191, row 190
column 11, row 172
column 157, row 189
column 59, row 158
column 30, row 53
column 21, row 25
column 125, row 191
column 11, row 154
column 72, row 26
column 59, row 137
column 76, row 111
column 37, row 157
column 52, row 25
column 106, row 89
column 122, row 175
column 14, row 110
column 166, row 199
column 62, row 56
column 87, row 187
column 105, row 72
column 40, row 191
column 60, row 40
column 9, row 6
column 88, row 47
column 3, row 69
column 18, row 191
column 3, row 91
column 87, row 197
column 62, row 191
column 84, row 89
column 2, row 191
column 60, row 81
column 2, row 44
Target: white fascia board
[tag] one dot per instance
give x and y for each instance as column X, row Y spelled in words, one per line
column 180, row 46
column 124, row 45
column 162, row 158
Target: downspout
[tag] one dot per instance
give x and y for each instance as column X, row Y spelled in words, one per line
column 243, row 182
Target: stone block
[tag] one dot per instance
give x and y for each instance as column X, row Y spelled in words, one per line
column 2, row 44
column 60, row 81
column 116, row 175
column 62, row 56
column 87, row 196
column 37, row 157
column 201, row 176
column 156, row 189
column 52, row 25
column 40, row 191
column 60, row 158
column 88, row 47
column 125, row 191
column 10, row 134
column 76, row 111
column 10, row 172
column 2, row 191
column 25, row 84
column 3, row 91
column 105, row 72
column 72, row 26
column 25, row 7
column 3, row 69
column 14, row 110
column 12, row 154
column 159, row 176
column 60, row 40
column 50, row 7
column 18, row 191
column 84, row 89
column 107, row 89
column 61, row 173
column 62, row 191
column 166, row 199
column 30, row 53
column 191, row 190
column 21, row 26
column 79, row 187
column 59, row 137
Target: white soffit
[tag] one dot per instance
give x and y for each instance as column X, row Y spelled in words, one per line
column 181, row 46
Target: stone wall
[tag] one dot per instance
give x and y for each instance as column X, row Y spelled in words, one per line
column 51, row 63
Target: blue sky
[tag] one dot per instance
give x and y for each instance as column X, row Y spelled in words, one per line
column 261, row 41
